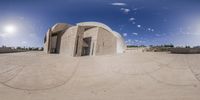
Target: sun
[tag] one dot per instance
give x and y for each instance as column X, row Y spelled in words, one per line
column 10, row 29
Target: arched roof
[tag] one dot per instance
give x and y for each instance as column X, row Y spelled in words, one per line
column 60, row 26
column 98, row 24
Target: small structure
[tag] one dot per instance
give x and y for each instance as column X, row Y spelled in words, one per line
column 86, row 38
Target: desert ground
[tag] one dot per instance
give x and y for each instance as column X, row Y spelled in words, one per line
column 133, row 75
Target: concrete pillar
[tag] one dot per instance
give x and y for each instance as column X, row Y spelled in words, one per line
column 49, row 41
column 93, row 47
column 80, row 34
column 46, row 42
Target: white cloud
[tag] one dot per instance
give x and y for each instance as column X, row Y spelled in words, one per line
column 138, row 26
column 125, row 10
column 118, row 4
column 133, row 22
column 24, row 42
column 139, row 41
column 121, row 27
column 135, row 33
column 150, row 29
column 135, row 9
column 129, row 42
column 131, row 19
column 124, row 34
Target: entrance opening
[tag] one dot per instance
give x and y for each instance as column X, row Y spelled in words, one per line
column 86, row 46
column 76, row 50
column 54, row 44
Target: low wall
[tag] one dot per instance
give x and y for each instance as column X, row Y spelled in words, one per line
column 8, row 50
column 185, row 50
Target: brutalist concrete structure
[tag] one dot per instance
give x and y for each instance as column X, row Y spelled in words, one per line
column 86, row 38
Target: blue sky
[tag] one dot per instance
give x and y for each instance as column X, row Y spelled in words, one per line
column 140, row 22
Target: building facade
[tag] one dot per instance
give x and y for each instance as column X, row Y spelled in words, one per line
column 86, row 38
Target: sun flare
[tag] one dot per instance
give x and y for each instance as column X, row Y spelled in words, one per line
column 10, row 29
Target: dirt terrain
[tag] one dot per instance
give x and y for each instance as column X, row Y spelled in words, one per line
column 134, row 75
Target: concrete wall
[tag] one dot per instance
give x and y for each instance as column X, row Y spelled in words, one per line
column 120, row 45
column 46, row 42
column 185, row 50
column 93, row 32
column 106, row 42
column 68, row 40
column 59, row 30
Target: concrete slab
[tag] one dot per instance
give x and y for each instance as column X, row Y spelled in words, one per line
column 133, row 75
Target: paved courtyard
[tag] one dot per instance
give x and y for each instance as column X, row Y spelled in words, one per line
column 134, row 75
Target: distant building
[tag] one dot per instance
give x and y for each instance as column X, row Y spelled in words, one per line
column 86, row 38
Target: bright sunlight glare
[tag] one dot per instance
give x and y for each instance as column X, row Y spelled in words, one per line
column 10, row 29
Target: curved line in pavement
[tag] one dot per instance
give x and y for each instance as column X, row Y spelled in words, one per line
column 66, row 81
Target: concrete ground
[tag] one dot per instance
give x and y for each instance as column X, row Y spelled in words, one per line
column 134, row 75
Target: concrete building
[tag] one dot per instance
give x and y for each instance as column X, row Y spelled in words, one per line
column 86, row 38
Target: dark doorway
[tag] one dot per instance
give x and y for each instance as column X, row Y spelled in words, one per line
column 54, row 44
column 86, row 46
